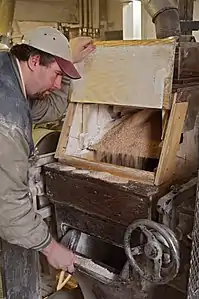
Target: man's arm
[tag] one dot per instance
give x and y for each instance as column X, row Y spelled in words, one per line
column 52, row 106
column 19, row 224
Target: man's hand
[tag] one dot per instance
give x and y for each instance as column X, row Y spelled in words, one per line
column 81, row 47
column 60, row 257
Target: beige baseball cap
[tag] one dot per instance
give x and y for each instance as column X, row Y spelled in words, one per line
column 52, row 41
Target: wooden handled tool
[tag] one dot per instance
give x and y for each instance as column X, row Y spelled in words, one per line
column 62, row 282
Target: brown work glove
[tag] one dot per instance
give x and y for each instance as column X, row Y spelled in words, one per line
column 81, row 47
column 60, row 257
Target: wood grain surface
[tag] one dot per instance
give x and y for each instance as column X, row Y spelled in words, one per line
column 137, row 74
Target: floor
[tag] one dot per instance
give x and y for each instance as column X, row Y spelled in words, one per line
column 164, row 295
column 163, row 292
column 75, row 294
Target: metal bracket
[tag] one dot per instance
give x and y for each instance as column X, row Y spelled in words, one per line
column 36, row 185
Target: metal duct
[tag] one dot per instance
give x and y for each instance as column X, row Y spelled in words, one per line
column 86, row 17
column 155, row 7
column 7, row 8
column 165, row 16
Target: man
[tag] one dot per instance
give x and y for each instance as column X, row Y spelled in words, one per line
column 43, row 64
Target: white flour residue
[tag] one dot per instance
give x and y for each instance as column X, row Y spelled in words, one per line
column 90, row 266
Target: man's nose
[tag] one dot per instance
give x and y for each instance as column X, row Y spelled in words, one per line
column 57, row 83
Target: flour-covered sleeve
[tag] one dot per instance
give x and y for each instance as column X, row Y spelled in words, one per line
column 19, row 224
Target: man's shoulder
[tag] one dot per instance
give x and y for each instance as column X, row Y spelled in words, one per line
column 14, row 108
column 4, row 53
column 12, row 100
column 4, row 57
column 7, row 73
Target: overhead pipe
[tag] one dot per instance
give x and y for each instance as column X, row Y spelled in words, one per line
column 89, row 17
column 7, row 8
column 165, row 16
column 96, row 18
column 81, row 17
column 86, row 17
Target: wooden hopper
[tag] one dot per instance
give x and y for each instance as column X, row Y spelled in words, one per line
column 125, row 117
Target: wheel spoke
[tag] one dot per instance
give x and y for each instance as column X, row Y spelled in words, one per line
column 150, row 236
column 157, row 268
column 137, row 250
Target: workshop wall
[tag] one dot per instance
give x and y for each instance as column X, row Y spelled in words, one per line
column 114, row 14
column 115, row 19
column 47, row 10
column 29, row 13
column 148, row 28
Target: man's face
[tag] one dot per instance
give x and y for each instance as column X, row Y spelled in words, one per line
column 43, row 79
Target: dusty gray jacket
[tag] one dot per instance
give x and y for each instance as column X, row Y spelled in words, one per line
column 19, row 224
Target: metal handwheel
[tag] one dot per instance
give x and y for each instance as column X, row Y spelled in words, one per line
column 158, row 252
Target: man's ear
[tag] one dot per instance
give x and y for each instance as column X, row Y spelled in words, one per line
column 33, row 62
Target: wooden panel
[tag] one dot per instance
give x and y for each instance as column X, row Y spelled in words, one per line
column 63, row 140
column 110, row 201
column 141, row 176
column 80, row 133
column 128, row 73
column 93, row 205
column 167, row 162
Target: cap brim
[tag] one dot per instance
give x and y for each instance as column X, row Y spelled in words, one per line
column 68, row 68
